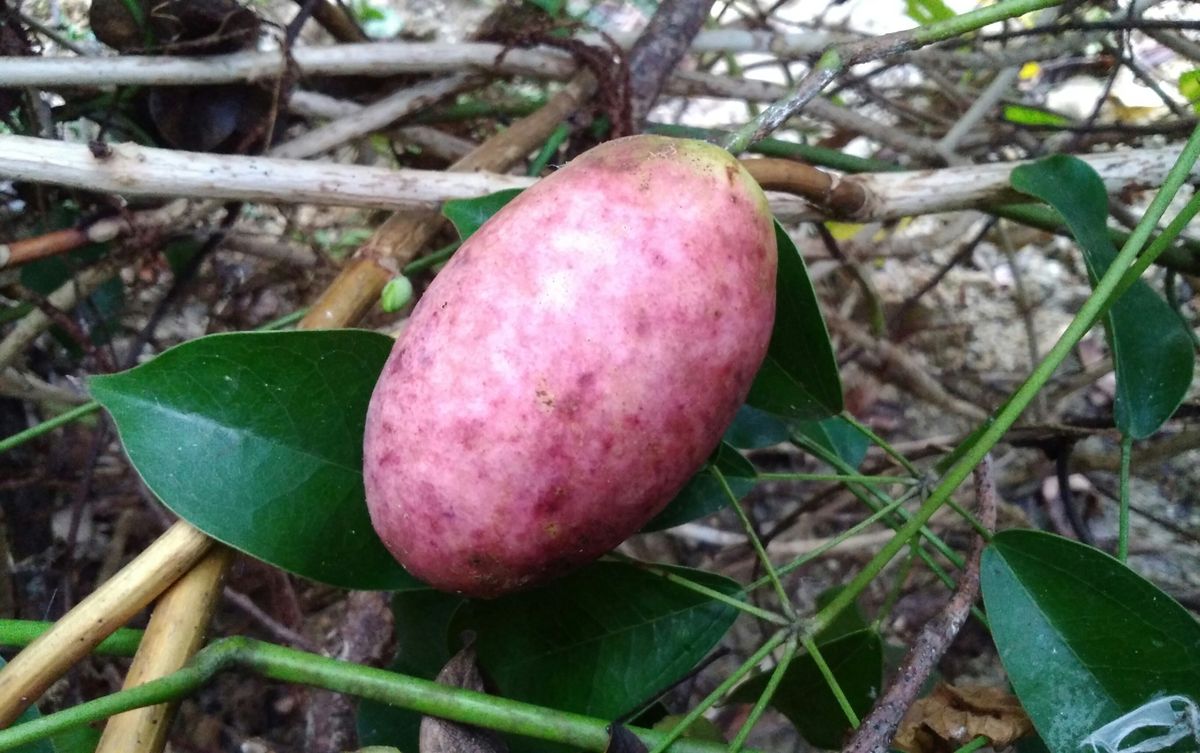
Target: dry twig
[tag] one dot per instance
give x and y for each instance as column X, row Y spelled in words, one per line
column 878, row 727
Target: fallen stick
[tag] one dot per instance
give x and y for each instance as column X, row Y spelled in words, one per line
column 133, row 170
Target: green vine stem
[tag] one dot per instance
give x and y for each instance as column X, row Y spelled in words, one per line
column 853, row 530
column 835, row 687
column 785, row 603
column 882, row 444
column 20, row 633
column 789, row 653
column 732, row 601
column 720, row 691
column 849, row 478
column 1160, row 244
column 45, row 427
column 1008, row 413
column 838, row 58
column 292, row 665
column 872, row 498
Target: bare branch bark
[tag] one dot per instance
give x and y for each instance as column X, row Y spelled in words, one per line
column 659, row 49
column 878, row 727
column 142, row 171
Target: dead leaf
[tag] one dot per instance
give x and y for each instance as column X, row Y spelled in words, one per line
column 442, row 736
column 950, row 717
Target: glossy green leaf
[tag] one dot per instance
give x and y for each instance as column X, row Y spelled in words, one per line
column 256, row 439
column 1152, row 351
column 704, row 493
column 799, row 378
column 1034, row 116
column 599, row 642
column 1084, row 639
column 467, row 215
column 926, row 12
column 422, row 630
column 838, row 436
column 753, row 428
column 804, row 697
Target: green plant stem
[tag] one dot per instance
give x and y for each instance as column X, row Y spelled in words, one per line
column 898, row 456
column 1008, row 413
column 974, row 745
column 882, row 444
column 48, row 425
column 20, row 633
column 1181, row 258
column 893, row 596
column 549, row 149
column 777, row 675
column 839, row 57
column 720, row 691
column 872, row 498
column 283, row 321
column 841, row 478
column 1159, row 244
column 291, row 665
column 1123, row 524
column 810, row 556
column 835, row 687
column 814, row 155
column 700, row 588
column 431, row 260
column 785, row 603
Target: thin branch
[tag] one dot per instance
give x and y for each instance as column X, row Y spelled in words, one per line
column 879, row 726
column 374, row 59
column 375, row 116
column 659, row 49
column 840, row 57
column 142, row 171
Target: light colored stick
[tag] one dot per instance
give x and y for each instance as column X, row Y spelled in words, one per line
column 391, row 58
column 373, row 117
column 314, row 105
column 109, row 607
column 184, row 610
column 141, row 171
column 377, row 59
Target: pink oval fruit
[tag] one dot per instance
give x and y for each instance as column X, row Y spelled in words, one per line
column 572, row 366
